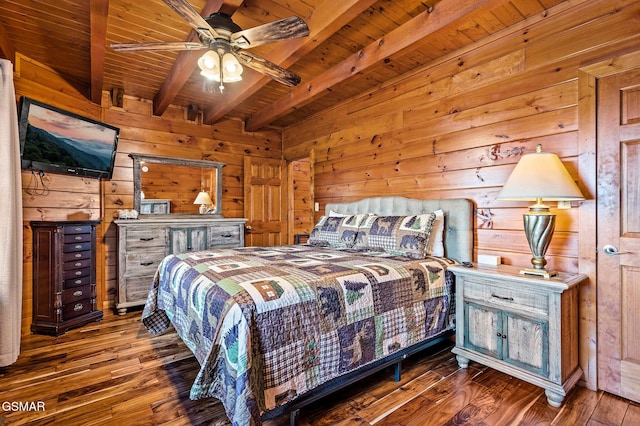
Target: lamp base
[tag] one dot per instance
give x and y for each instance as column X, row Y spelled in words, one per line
column 538, row 272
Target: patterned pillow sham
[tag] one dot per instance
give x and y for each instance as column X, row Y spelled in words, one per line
column 435, row 245
column 336, row 231
column 398, row 235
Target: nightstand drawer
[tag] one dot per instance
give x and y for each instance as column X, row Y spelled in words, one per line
column 509, row 297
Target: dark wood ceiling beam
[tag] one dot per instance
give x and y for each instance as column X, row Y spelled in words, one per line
column 186, row 61
column 98, row 13
column 444, row 13
column 328, row 18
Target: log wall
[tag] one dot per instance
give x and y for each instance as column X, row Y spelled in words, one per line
column 457, row 127
column 60, row 197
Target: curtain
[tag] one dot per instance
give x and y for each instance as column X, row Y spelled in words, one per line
column 11, row 221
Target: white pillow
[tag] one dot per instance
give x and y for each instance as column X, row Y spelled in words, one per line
column 336, row 214
column 435, row 245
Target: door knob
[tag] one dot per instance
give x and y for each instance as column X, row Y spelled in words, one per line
column 611, row 250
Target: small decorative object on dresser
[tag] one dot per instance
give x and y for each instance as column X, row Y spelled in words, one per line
column 524, row 326
column 143, row 243
column 64, row 275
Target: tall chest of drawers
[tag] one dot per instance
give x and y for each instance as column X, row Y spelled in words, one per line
column 143, row 243
column 64, row 275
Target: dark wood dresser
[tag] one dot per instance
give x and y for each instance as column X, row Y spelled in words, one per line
column 64, row 275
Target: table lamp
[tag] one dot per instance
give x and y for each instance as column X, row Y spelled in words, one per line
column 540, row 176
column 204, row 200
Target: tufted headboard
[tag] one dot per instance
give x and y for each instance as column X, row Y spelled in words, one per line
column 458, row 218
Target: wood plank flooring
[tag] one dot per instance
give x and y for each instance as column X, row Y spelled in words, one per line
column 115, row 372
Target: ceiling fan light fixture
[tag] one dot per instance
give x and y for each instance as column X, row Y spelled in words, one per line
column 232, row 69
column 209, row 64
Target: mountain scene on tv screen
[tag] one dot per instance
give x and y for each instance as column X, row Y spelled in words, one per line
column 45, row 147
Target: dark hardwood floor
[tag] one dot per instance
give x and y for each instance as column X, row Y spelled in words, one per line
column 114, row 372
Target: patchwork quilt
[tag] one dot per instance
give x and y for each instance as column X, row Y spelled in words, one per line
column 268, row 324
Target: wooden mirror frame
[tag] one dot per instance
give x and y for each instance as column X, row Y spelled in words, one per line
column 156, row 159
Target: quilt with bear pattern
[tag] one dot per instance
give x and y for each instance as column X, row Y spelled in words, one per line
column 268, row 324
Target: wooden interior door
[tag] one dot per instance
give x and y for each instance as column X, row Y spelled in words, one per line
column 265, row 201
column 618, row 204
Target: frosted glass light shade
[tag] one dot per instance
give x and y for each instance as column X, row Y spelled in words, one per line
column 209, row 64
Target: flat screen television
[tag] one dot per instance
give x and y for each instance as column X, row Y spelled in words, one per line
column 57, row 141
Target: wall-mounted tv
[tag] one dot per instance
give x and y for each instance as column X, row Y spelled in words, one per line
column 57, row 141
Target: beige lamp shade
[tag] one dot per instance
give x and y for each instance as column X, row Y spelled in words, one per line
column 540, row 175
column 203, row 198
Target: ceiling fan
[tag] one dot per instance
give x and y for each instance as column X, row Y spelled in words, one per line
column 226, row 42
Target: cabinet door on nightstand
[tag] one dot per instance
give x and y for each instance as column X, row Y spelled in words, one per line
column 482, row 327
column 527, row 343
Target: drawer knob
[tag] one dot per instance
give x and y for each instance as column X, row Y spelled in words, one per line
column 504, row 336
column 78, row 229
column 78, row 255
column 78, row 238
column 146, row 263
column 226, row 236
column 146, row 239
column 78, row 281
column 77, row 293
column 78, row 246
column 77, row 307
column 78, row 264
column 78, row 273
column 510, row 299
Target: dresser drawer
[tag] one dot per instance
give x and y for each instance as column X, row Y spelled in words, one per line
column 143, row 262
column 75, row 282
column 76, row 273
column 77, row 255
column 75, row 309
column 147, row 237
column 509, row 297
column 137, row 288
column 76, row 294
column 76, row 264
column 76, row 238
column 74, row 247
column 224, row 236
column 77, row 229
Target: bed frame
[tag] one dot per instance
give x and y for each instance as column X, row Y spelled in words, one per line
column 458, row 244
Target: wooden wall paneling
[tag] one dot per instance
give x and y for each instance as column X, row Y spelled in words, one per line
column 301, row 199
column 607, row 23
column 461, row 133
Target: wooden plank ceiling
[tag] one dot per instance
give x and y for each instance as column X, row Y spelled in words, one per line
column 353, row 47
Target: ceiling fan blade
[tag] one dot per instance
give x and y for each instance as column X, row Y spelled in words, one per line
column 267, row 67
column 284, row 29
column 141, row 47
column 193, row 18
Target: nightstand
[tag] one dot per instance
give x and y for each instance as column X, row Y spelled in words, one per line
column 522, row 325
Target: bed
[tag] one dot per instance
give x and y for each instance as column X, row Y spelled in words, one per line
column 275, row 328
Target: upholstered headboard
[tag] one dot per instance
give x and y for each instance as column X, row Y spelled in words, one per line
column 458, row 218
